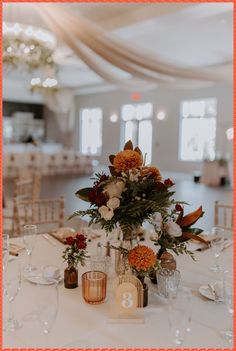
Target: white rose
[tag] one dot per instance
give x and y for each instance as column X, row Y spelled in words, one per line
column 157, row 217
column 114, row 189
column 106, row 213
column 173, row 229
column 113, row 203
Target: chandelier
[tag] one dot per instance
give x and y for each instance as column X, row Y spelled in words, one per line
column 45, row 86
column 27, row 45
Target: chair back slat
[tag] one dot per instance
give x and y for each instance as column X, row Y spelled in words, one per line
column 224, row 216
column 41, row 212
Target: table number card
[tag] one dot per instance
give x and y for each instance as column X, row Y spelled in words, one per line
column 127, row 298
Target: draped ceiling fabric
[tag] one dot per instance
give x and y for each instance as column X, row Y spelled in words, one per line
column 96, row 48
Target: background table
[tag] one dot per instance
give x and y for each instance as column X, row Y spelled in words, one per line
column 77, row 320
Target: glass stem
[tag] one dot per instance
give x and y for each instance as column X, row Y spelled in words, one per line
column 11, row 310
column 217, row 262
column 29, row 260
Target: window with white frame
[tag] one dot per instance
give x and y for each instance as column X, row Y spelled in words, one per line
column 91, row 131
column 137, row 126
column 198, row 129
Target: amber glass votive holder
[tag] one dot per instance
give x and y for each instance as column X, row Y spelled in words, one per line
column 94, row 287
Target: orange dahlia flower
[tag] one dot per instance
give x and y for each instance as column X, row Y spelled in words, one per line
column 141, row 258
column 153, row 172
column 127, row 159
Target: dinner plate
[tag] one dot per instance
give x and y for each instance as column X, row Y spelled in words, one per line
column 39, row 279
column 208, row 293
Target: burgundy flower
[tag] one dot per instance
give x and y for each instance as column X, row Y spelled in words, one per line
column 97, row 197
column 168, row 183
column 81, row 245
column 178, row 208
column 80, row 237
column 70, row 240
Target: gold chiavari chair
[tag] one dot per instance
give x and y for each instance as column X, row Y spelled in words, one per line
column 24, row 189
column 47, row 214
column 224, row 216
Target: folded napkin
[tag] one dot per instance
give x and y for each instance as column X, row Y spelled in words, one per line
column 62, row 233
column 194, row 245
column 15, row 249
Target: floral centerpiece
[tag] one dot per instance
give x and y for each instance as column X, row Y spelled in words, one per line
column 134, row 193
column 74, row 254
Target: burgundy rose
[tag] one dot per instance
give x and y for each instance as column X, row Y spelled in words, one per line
column 80, row 237
column 168, row 183
column 178, row 208
column 81, row 245
column 70, row 240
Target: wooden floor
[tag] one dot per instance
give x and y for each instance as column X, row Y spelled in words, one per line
column 186, row 190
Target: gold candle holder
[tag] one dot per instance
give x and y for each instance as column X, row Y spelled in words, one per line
column 94, row 286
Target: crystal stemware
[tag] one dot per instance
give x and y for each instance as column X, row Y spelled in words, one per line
column 11, row 288
column 29, row 239
column 47, row 304
column 229, row 302
column 179, row 314
column 217, row 245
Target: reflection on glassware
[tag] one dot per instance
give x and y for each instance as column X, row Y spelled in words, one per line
column 167, row 282
column 94, row 286
column 100, row 263
column 179, row 315
column 29, row 239
column 11, row 288
column 217, row 244
column 47, row 305
column 228, row 295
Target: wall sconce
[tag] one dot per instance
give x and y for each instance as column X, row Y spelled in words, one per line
column 161, row 115
column 229, row 133
column 114, row 118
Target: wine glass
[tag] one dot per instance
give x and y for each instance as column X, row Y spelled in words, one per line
column 47, row 304
column 179, row 314
column 217, row 245
column 11, row 289
column 229, row 301
column 29, row 239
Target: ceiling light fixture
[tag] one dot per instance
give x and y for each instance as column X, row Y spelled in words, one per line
column 161, row 115
column 27, row 45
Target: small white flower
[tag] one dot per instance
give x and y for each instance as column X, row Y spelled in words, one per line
column 106, row 213
column 114, row 189
column 173, row 229
column 113, row 203
column 157, row 217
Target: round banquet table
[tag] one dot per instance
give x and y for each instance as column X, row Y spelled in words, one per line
column 77, row 320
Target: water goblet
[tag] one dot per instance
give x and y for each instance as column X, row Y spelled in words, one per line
column 217, row 245
column 11, row 288
column 228, row 296
column 47, row 304
column 179, row 314
column 29, row 239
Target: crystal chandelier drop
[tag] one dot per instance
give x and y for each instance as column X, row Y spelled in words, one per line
column 26, row 45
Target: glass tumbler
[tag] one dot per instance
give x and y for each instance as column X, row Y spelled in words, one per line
column 94, row 286
column 167, row 282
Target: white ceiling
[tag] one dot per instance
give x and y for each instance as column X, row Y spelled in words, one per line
column 184, row 34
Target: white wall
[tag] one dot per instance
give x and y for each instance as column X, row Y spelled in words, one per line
column 165, row 133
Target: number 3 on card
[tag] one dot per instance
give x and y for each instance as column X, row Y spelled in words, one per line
column 126, row 298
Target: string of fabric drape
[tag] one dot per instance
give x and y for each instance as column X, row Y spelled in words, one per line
column 92, row 44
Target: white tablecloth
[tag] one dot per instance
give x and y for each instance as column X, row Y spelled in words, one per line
column 77, row 320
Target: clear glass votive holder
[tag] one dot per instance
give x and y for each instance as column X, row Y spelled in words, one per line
column 94, row 286
column 100, row 263
column 167, row 282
